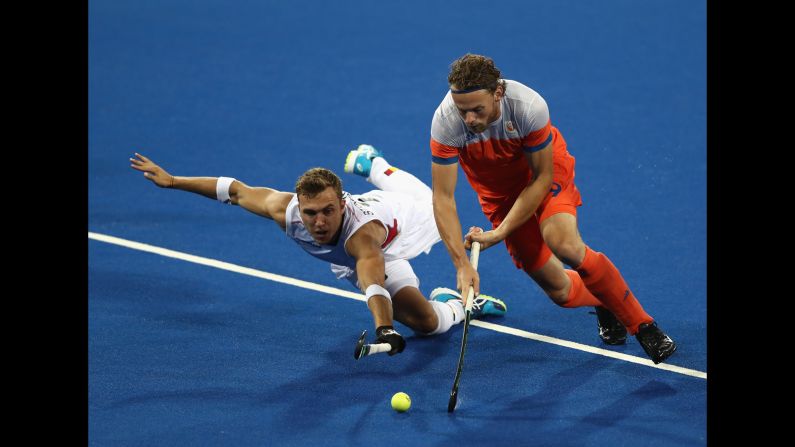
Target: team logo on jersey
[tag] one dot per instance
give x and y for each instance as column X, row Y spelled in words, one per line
column 360, row 203
column 509, row 126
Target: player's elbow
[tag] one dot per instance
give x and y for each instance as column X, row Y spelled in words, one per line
column 368, row 266
column 543, row 180
column 442, row 200
column 235, row 190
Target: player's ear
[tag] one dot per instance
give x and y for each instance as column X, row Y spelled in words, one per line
column 499, row 92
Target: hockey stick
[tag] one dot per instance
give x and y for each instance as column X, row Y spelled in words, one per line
column 473, row 259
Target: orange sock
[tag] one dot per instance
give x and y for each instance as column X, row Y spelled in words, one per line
column 579, row 295
column 603, row 279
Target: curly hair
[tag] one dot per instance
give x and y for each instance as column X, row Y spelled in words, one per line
column 474, row 70
column 316, row 180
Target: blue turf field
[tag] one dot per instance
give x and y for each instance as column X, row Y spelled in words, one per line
column 186, row 354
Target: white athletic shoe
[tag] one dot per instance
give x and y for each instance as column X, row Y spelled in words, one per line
column 483, row 305
column 359, row 161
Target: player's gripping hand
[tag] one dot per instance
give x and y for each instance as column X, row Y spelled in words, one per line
column 388, row 334
column 486, row 238
column 466, row 276
column 151, row 171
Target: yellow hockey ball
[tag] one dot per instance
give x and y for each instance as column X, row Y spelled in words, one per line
column 401, row 402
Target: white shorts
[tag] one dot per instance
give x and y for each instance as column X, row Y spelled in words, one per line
column 399, row 274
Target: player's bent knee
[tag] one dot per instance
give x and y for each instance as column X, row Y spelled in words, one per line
column 558, row 296
column 570, row 252
column 420, row 322
column 421, row 327
column 426, row 326
column 425, row 323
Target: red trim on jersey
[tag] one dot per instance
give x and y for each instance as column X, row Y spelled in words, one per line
column 392, row 231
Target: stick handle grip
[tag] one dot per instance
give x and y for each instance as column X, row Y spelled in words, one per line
column 474, row 255
column 377, row 348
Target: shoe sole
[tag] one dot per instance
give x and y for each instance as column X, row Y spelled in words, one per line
column 614, row 342
column 665, row 356
column 350, row 162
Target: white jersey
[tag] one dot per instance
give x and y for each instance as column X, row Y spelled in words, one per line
column 409, row 224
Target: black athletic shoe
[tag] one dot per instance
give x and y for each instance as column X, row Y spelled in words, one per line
column 611, row 331
column 654, row 341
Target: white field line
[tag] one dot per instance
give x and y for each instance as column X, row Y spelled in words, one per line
column 358, row 296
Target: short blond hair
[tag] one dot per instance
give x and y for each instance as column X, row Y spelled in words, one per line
column 316, row 180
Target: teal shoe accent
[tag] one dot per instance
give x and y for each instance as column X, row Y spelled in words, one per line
column 488, row 305
column 483, row 305
column 444, row 294
column 359, row 161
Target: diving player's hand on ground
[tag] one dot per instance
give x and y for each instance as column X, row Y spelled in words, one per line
column 388, row 334
column 486, row 238
column 151, row 171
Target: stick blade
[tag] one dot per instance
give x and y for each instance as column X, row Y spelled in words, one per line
column 359, row 346
column 453, row 401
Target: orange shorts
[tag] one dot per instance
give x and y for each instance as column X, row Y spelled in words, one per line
column 525, row 244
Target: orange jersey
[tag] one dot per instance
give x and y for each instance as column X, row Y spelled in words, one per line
column 494, row 160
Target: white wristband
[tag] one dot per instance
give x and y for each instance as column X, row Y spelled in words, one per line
column 375, row 289
column 222, row 189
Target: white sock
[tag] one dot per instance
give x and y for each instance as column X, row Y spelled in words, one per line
column 397, row 180
column 448, row 314
column 458, row 310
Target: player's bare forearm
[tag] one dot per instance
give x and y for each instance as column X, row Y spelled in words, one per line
column 449, row 226
column 160, row 177
column 533, row 194
column 381, row 308
column 444, row 179
column 525, row 205
column 370, row 270
column 200, row 185
column 365, row 246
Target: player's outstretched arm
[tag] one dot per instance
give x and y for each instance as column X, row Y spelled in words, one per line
column 265, row 202
column 447, row 221
column 365, row 246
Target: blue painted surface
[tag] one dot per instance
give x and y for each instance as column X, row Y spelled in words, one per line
column 181, row 354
